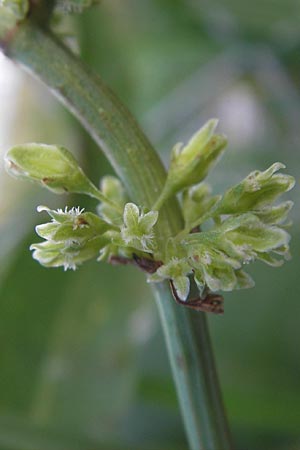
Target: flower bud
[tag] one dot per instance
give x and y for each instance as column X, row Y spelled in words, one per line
column 190, row 164
column 50, row 166
column 112, row 189
column 197, row 204
column 258, row 190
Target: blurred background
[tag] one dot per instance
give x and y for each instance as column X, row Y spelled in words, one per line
column 83, row 364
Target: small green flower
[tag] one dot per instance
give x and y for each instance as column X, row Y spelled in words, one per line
column 71, row 223
column 67, row 254
column 218, row 255
column 249, row 232
column 72, row 237
column 176, row 270
column 137, row 231
column 257, row 192
column 214, row 268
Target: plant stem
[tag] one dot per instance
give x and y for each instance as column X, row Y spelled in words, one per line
column 194, row 372
column 143, row 174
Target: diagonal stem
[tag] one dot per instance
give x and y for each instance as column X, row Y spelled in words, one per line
column 139, row 167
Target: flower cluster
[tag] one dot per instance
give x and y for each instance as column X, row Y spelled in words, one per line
column 247, row 226
column 72, row 237
column 246, row 222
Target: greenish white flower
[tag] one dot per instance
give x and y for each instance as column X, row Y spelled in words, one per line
column 217, row 256
column 138, row 229
column 70, row 223
column 72, row 237
column 176, row 270
column 248, row 230
column 68, row 254
column 213, row 268
column 257, row 192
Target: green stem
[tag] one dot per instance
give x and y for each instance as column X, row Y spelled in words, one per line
column 194, row 372
column 163, row 197
column 95, row 193
column 143, row 174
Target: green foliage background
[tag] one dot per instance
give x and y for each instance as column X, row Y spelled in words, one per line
column 83, row 363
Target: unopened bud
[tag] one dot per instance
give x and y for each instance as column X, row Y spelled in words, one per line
column 257, row 191
column 51, row 166
column 190, row 164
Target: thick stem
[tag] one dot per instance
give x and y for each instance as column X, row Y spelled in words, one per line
column 142, row 172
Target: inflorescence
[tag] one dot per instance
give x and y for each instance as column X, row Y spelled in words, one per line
column 242, row 225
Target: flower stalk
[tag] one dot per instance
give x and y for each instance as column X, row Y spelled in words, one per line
column 143, row 175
